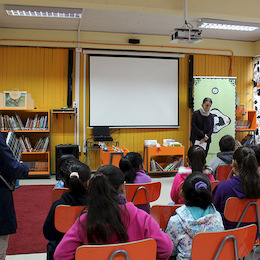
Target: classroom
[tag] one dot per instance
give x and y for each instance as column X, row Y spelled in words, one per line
column 122, row 65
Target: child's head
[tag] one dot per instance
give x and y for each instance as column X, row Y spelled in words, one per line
column 77, row 176
column 104, row 218
column 227, row 143
column 130, row 164
column 245, row 165
column 196, row 158
column 63, row 163
column 197, row 190
column 256, row 149
column 115, row 176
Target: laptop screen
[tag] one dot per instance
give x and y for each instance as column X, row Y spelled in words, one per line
column 101, row 131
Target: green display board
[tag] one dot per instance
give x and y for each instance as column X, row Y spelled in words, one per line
column 222, row 91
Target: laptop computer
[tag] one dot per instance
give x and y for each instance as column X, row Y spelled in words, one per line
column 101, row 133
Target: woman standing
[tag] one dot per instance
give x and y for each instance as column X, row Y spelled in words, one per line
column 202, row 124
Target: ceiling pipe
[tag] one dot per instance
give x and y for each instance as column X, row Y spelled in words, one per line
column 121, row 44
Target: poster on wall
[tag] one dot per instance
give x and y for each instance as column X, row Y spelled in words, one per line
column 222, row 91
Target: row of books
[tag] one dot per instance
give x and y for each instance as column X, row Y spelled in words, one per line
column 40, row 146
column 37, row 165
column 155, row 166
column 15, row 123
column 243, row 124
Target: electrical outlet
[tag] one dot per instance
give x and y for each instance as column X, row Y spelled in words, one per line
column 74, row 104
column 79, row 149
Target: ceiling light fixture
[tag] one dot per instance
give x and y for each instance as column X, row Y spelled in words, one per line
column 227, row 25
column 43, row 11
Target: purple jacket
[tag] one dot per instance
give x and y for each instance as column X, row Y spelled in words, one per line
column 142, row 177
column 139, row 225
column 225, row 190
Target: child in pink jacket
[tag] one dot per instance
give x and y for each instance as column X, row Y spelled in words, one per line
column 110, row 221
column 196, row 160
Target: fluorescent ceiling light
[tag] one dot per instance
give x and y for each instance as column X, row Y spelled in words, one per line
column 43, row 11
column 228, row 25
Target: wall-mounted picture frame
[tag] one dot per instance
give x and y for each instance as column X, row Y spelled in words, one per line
column 15, row 99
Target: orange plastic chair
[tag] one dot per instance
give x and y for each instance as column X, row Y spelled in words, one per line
column 223, row 245
column 57, row 193
column 162, row 213
column 243, row 211
column 143, row 193
column 65, row 216
column 213, row 185
column 145, row 249
column 224, row 172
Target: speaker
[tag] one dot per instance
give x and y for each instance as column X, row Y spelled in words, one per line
column 190, row 97
column 65, row 151
column 70, row 77
column 134, row 41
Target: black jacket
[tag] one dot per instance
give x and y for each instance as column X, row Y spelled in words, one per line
column 10, row 168
column 201, row 125
column 49, row 229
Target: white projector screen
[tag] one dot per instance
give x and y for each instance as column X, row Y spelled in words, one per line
column 131, row 91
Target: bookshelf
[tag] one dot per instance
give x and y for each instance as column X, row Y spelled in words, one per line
column 251, row 117
column 246, row 123
column 163, row 156
column 32, row 128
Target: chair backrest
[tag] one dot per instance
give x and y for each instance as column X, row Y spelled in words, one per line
column 162, row 213
column 242, row 210
column 224, row 172
column 139, row 250
column 143, row 192
column 213, row 185
column 56, row 193
column 65, row 216
column 222, row 245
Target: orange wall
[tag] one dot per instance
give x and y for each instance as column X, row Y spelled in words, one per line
column 43, row 73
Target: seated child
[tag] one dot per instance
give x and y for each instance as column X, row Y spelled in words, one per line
column 76, row 179
column 132, row 166
column 196, row 160
column 63, row 163
column 117, row 178
column 108, row 222
column 224, row 157
column 197, row 215
column 243, row 184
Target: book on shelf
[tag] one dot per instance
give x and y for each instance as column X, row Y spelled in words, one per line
column 153, row 166
column 22, row 144
column 16, row 148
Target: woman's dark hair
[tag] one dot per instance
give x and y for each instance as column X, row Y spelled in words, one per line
column 207, row 99
column 130, row 164
column 115, row 176
column 248, row 171
column 103, row 218
column 197, row 158
column 256, row 149
column 77, row 185
column 197, row 190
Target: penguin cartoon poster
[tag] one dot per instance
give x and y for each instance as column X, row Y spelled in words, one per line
column 222, row 91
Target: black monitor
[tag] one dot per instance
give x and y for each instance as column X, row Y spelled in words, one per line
column 101, row 133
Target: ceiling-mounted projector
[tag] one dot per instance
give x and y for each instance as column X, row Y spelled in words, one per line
column 186, row 35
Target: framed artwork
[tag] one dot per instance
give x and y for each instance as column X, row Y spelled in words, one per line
column 15, row 99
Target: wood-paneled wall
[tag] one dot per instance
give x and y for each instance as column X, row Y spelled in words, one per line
column 43, row 73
